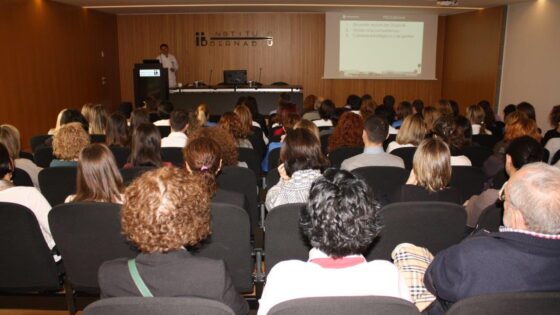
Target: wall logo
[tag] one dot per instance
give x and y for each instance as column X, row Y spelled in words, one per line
column 234, row 39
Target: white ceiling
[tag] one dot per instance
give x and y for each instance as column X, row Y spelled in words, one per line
column 198, row 6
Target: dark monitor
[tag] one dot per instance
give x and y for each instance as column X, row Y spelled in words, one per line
column 150, row 61
column 235, row 77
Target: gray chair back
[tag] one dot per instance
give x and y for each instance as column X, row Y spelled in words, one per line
column 157, row 306
column 371, row 305
column 520, row 303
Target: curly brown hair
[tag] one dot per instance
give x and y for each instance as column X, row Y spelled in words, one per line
column 348, row 132
column 228, row 147
column 165, row 209
column 232, row 123
column 202, row 156
column 69, row 140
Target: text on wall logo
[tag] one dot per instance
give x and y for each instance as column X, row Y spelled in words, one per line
column 234, row 39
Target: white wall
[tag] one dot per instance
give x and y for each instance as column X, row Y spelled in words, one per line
column 531, row 67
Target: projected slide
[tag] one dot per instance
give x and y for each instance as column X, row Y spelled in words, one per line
column 380, row 45
column 381, row 48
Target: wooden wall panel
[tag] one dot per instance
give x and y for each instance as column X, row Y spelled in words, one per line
column 51, row 59
column 296, row 57
column 472, row 56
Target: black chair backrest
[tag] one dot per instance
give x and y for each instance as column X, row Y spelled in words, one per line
column 407, row 154
column 251, row 157
column 334, row 305
column 431, row 224
column 86, row 235
column 384, row 180
column 27, row 263
column 21, row 178
column 546, row 155
column 325, row 143
column 272, row 177
column 230, row 241
column 273, row 158
column 390, row 138
column 157, row 306
column 519, row 303
column 164, row 131
column 283, row 239
column 26, row 155
column 37, row 141
column 257, row 141
column 491, row 218
column 121, row 155
column 477, row 154
column 173, row 155
column 43, row 156
column 97, row 138
column 339, row 155
column 130, row 174
column 488, row 141
column 244, row 181
column 555, row 158
column 468, row 180
column 57, row 183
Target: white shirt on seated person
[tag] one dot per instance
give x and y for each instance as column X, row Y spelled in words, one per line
column 175, row 139
column 460, row 160
column 294, row 279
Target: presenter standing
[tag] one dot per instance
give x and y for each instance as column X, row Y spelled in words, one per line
column 169, row 62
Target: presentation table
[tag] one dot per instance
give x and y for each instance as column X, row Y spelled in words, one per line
column 221, row 99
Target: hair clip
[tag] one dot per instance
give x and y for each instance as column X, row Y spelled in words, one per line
column 204, row 168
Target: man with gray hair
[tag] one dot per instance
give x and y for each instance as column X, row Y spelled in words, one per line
column 524, row 256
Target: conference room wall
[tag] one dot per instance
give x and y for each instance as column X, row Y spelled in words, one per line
column 51, row 59
column 471, row 68
column 296, row 57
column 531, row 57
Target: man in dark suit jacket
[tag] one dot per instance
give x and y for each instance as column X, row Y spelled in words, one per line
column 524, row 256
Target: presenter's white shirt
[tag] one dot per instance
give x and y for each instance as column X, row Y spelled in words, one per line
column 170, row 62
column 293, row 279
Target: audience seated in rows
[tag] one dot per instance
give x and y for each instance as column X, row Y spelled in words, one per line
column 412, row 131
column 67, row 143
column 117, row 133
column 373, row 133
column 523, row 257
column 341, row 221
column 98, row 178
column 290, row 120
column 163, row 211
column 179, row 123
column 28, row 197
column 301, row 163
column 202, row 156
column 520, row 151
column 430, row 175
column 347, row 133
column 10, row 138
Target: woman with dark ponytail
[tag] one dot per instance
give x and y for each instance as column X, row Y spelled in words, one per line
column 203, row 156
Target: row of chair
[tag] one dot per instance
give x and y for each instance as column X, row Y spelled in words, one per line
column 543, row 303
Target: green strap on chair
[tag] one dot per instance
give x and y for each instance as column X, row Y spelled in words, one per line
column 133, row 269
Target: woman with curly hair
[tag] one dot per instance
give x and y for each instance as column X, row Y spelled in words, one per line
column 446, row 129
column 202, row 156
column 232, row 124
column 430, row 175
column 341, row 220
column 347, row 133
column 68, row 141
column 98, row 178
column 301, row 162
column 226, row 142
column 165, row 210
